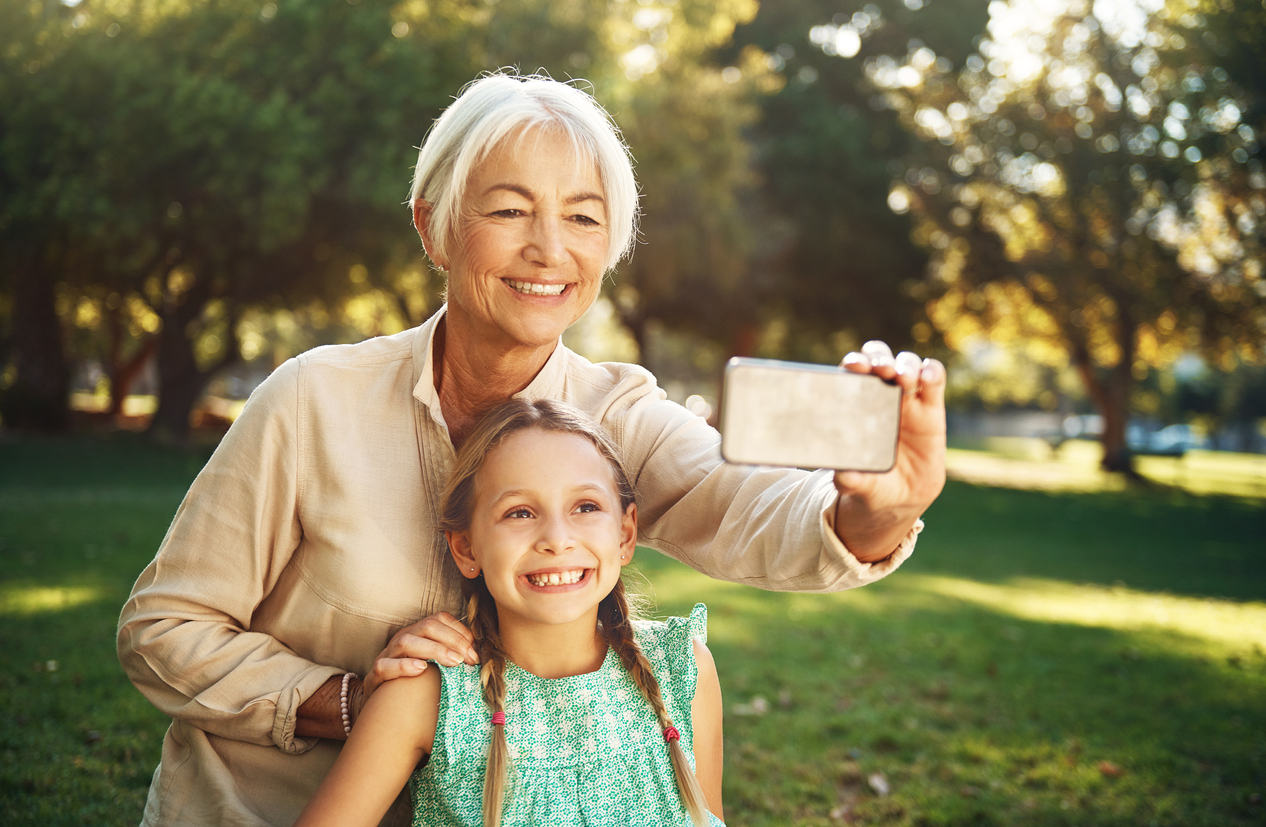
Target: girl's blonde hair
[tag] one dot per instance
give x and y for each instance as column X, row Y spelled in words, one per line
column 614, row 614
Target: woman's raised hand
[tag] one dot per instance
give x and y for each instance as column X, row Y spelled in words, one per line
column 440, row 637
column 877, row 510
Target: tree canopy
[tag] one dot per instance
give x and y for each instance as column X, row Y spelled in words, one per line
column 1089, row 180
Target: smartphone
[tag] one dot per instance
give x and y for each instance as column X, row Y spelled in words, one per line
column 808, row 416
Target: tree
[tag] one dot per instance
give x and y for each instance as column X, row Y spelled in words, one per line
column 1092, row 183
column 209, row 158
column 839, row 266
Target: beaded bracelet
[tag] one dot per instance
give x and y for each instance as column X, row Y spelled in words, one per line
column 342, row 703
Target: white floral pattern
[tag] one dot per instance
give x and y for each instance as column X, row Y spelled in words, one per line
column 592, row 753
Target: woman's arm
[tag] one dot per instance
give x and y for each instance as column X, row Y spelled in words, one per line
column 705, row 711
column 185, row 635
column 395, row 731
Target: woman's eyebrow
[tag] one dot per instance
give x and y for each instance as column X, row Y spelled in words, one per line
column 519, row 189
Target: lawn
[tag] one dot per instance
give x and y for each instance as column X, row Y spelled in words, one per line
column 1077, row 654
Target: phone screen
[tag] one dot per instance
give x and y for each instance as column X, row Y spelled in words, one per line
column 808, row 416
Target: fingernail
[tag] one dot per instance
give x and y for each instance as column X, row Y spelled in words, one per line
column 419, row 665
column 472, row 656
column 928, row 374
column 854, row 359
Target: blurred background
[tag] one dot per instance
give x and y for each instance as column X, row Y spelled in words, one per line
column 1064, row 200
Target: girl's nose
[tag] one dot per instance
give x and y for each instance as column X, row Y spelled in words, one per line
column 555, row 536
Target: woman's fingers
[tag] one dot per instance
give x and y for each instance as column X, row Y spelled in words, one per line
column 932, row 377
column 913, row 374
column 908, row 366
column 440, row 637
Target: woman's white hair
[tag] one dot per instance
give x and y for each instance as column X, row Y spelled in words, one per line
column 499, row 105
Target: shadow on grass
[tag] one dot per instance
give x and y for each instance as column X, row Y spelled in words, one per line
column 971, row 716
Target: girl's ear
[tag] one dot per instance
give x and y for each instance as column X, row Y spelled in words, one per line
column 628, row 534
column 459, row 547
column 422, row 223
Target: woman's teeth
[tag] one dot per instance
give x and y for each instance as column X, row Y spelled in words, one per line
column 533, row 289
column 556, row 578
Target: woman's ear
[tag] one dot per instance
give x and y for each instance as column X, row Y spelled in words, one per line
column 628, row 534
column 459, row 547
column 422, row 223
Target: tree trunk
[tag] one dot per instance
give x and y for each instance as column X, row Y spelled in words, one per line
column 179, row 383
column 1111, row 396
column 123, row 372
column 39, row 398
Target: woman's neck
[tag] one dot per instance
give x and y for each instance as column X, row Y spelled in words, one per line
column 554, row 650
column 473, row 376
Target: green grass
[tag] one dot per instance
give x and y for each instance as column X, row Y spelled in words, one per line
column 1080, row 657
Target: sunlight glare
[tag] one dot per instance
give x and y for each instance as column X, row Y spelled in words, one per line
column 1224, row 622
column 16, row 601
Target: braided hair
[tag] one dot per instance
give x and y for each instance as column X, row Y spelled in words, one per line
column 614, row 613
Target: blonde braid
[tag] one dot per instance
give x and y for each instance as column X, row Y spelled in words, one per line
column 613, row 613
column 481, row 617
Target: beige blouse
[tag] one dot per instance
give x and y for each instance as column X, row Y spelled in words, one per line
column 309, row 539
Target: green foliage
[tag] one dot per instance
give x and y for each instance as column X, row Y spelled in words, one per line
column 975, row 709
column 835, row 261
column 1090, row 182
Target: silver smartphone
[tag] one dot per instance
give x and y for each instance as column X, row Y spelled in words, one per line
column 808, row 416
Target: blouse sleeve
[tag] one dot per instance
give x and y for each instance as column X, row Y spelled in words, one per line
column 184, row 636
column 669, row 647
column 772, row 528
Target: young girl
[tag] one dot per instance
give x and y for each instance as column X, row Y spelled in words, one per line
column 577, row 714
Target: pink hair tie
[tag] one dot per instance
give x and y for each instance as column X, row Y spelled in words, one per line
column 671, row 734
column 498, row 718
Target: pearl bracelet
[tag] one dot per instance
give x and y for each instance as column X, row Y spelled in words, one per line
column 342, row 702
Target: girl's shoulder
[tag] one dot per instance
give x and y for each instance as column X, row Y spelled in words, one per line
column 669, row 644
column 673, row 630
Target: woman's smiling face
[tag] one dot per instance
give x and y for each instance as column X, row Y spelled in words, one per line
column 530, row 241
column 547, row 529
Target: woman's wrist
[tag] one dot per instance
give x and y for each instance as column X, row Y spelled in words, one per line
column 321, row 715
column 872, row 536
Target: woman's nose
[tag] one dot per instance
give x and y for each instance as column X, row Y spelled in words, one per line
column 545, row 247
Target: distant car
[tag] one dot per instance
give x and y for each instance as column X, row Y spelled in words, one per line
column 1171, row 441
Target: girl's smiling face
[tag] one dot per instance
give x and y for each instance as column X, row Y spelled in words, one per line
column 547, row 529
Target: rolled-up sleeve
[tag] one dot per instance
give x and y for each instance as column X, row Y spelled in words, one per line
column 184, row 635
column 772, row 528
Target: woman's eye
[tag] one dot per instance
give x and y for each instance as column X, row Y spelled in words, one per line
column 584, row 219
column 511, row 213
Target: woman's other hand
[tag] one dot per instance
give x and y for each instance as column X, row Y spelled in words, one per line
column 876, row 511
column 440, row 637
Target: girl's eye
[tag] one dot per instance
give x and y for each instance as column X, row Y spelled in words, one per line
column 519, row 514
column 588, row 508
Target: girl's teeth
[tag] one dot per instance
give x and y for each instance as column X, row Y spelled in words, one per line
column 555, row 578
column 537, row 289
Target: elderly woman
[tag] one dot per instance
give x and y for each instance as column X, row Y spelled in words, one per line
column 293, row 577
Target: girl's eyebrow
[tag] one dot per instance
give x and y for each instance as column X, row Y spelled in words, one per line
column 515, row 493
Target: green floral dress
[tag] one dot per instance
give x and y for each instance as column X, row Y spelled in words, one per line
column 584, row 750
